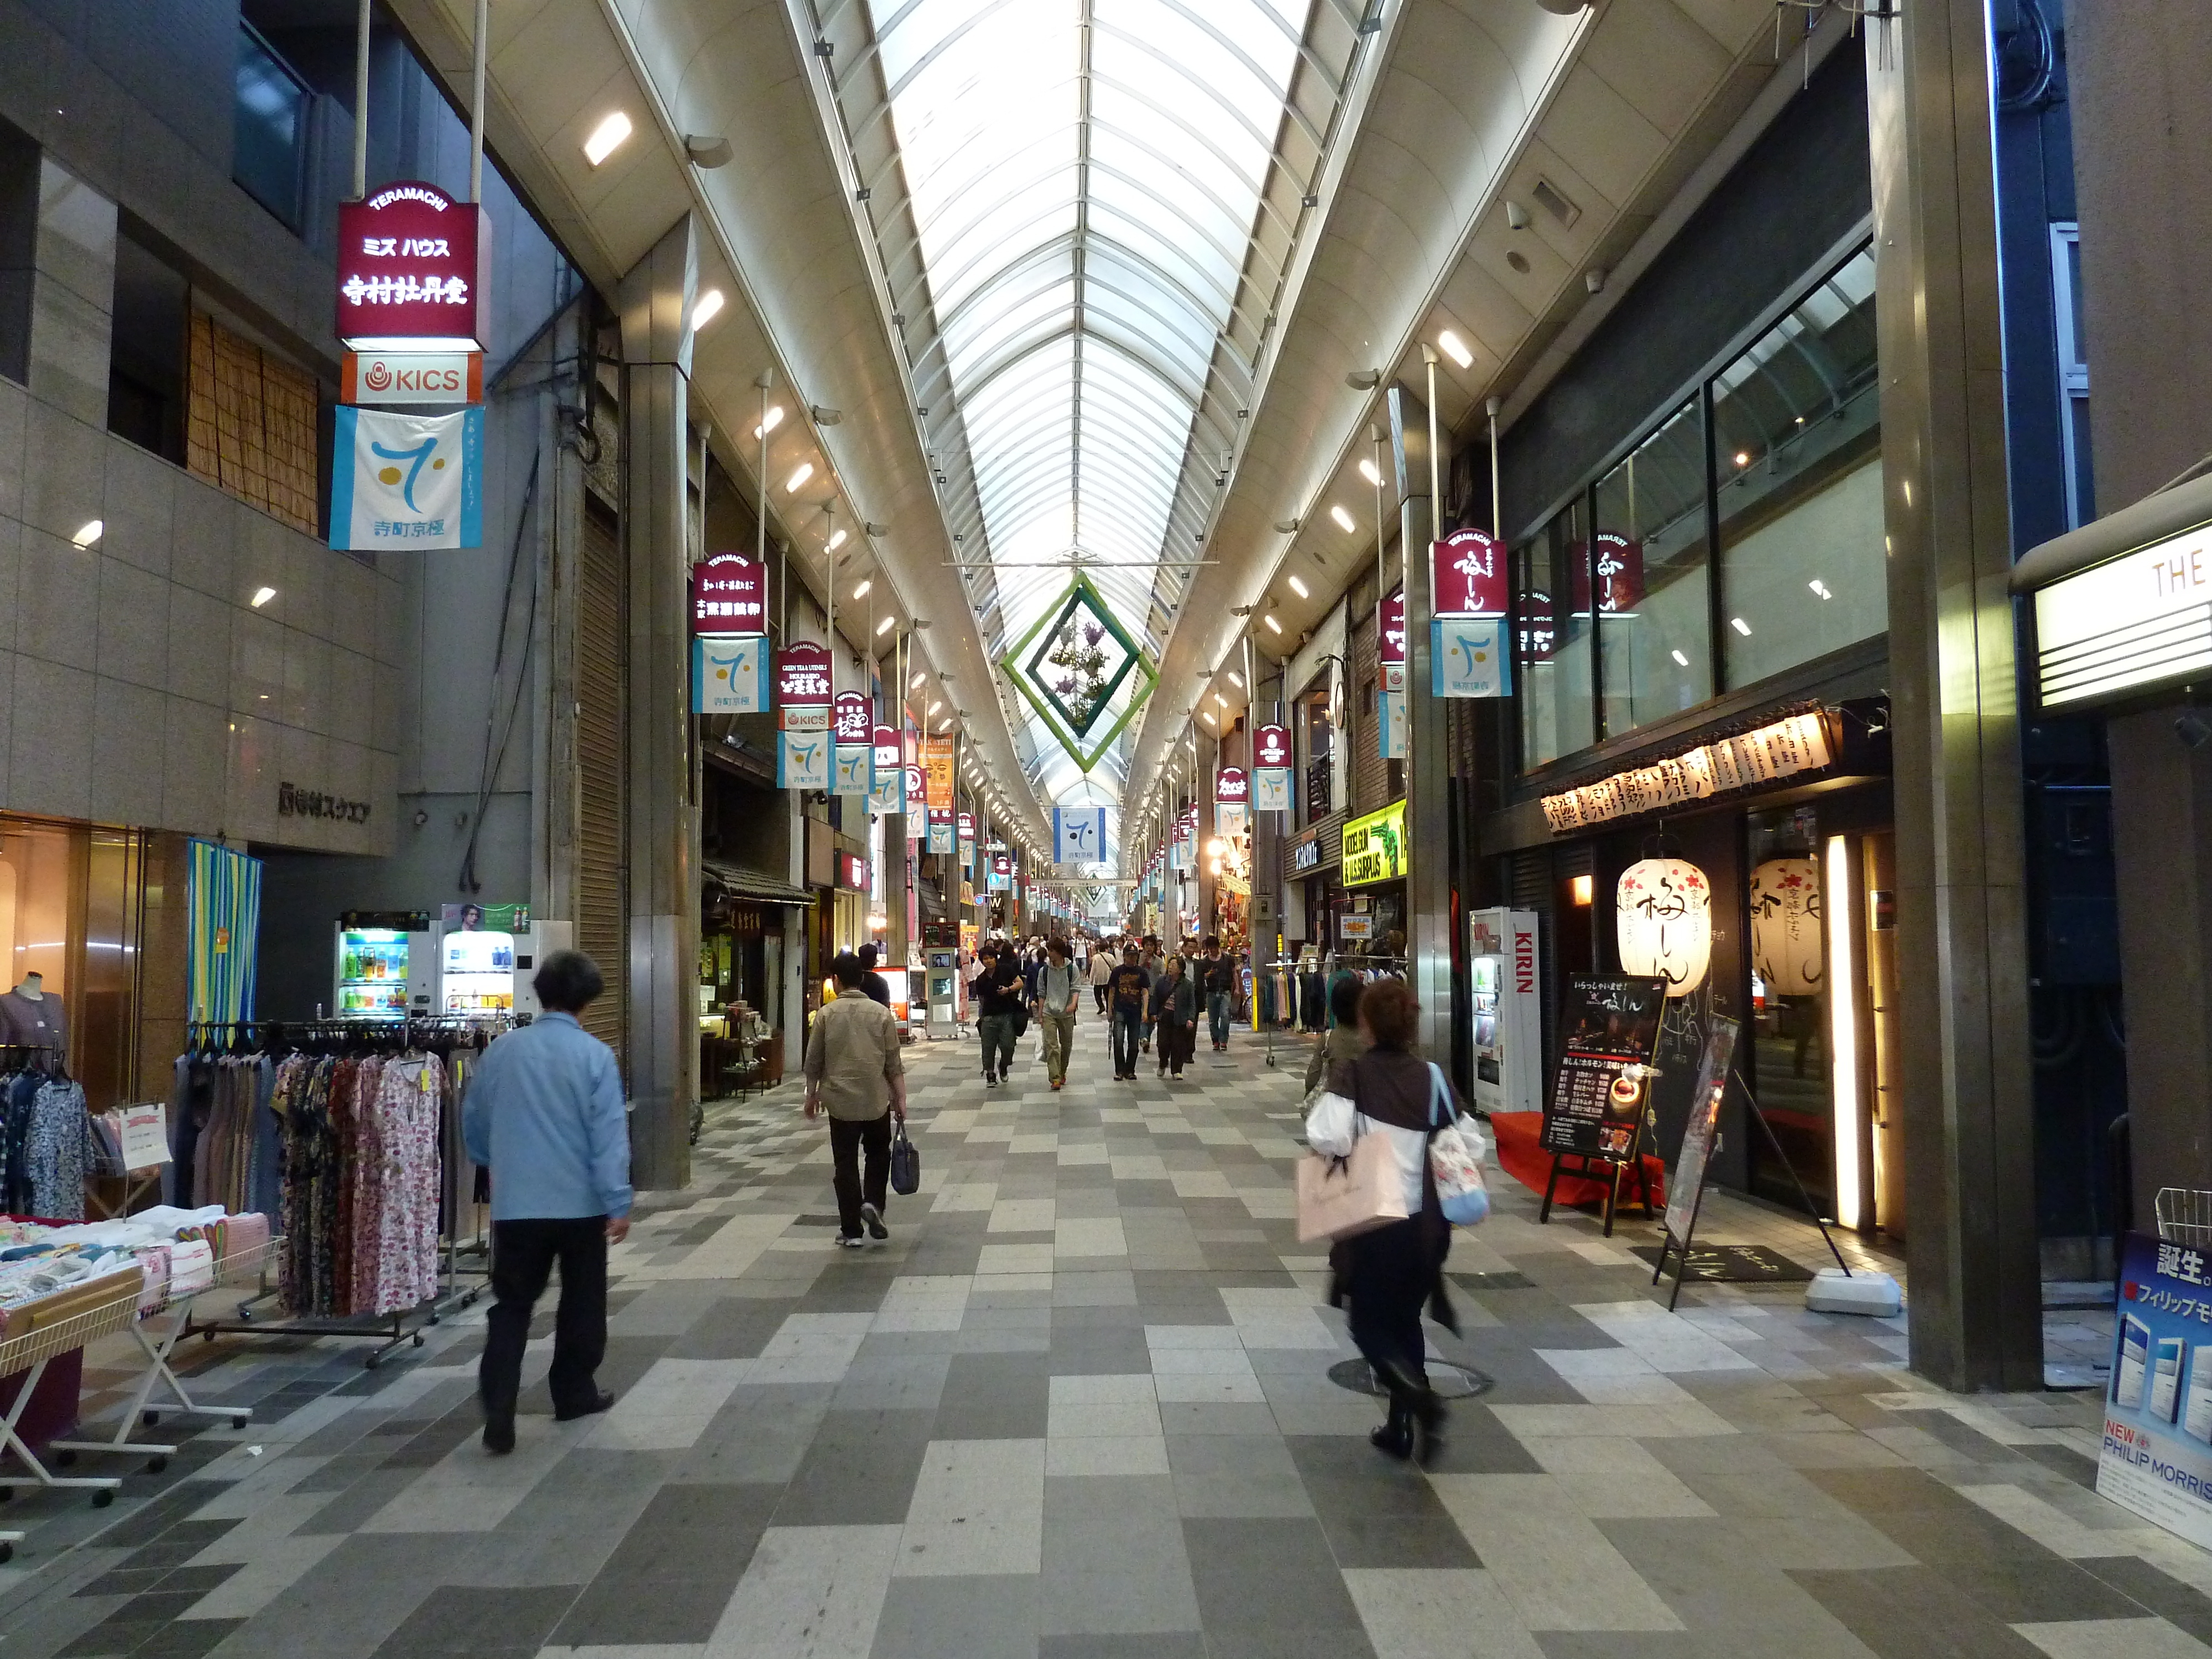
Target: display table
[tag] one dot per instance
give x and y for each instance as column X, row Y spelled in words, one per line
column 1520, row 1155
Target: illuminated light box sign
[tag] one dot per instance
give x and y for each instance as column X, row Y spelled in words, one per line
column 803, row 744
column 2140, row 620
column 414, row 265
column 729, row 595
column 1469, row 570
column 1375, row 847
column 411, row 377
column 1230, row 786
column 1798, row 744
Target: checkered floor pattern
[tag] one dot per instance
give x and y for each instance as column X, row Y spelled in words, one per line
column 1078, row 1408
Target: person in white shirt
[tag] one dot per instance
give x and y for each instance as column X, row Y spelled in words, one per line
column 1101, row 974
column 1058, row 987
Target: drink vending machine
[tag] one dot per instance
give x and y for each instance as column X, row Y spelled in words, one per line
column 387, row 964
column 941, row 958
column 1506, row 973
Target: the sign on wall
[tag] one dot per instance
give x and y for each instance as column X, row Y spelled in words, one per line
column 1375, row 847
column 2140, row 620
column 1271, row 768
column 1466, row 658
column 406, row 480
column 1783, row 749
column 414, row 265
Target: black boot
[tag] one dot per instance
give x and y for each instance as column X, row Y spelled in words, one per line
column 1413, row 1395
column 1395, row 1436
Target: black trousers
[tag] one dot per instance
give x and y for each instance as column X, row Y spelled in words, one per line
column 1099, row 992
column 1389, row 1278
column 1127, row 1022
column 848, row 1139
column 522, row 1255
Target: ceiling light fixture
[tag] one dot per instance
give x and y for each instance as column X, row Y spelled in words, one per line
column 1343, row 519
column 1681, row 659
column 931, row 712
column 1274, row 627
column 796, row 482
column 706, row 309
column 769, row 421
column 1367, row 472
column 1298, row 587
column 884, row 626
column 836, row 541
column 708, row 150
column 1743, row 457
column 90, row 531
column 1740, row 626
column 824, row 416
column 915, row 684
column 262, row 596
column 865, row 587
column 1236, row 679
column 607, row 137
column 1455, row 349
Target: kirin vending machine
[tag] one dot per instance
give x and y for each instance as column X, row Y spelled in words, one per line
column 1506, row 973
column 388, row 964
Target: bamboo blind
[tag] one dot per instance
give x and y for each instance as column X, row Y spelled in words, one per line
column 251, row 425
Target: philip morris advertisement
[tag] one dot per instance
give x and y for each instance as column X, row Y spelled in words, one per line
column 2157, row 1455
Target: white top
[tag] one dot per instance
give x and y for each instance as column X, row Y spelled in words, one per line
column 1329, row 1132
column 1102, row 968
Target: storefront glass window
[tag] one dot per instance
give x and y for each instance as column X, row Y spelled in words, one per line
column 1798, row 437
column 1654, row 611
column 1553, row 647
column 1789, row 1057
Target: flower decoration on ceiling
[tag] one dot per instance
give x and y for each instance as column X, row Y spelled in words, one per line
column 1078, row 668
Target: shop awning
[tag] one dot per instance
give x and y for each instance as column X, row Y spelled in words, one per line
column 750, row 885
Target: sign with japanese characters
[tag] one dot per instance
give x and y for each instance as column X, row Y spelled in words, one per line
column 729, row 676
column 1619, row 575
column 802, row 680
column 406, row 480
column 2156, row 1457
column 1390, row 640
column 938, row 757
column 414, row 265
column 853, row 723
column 1787, row 747
column 729, row 595
column 804, row 757
column 1079, row 835
column 942, row 831
column 1609, row 1039
column 1271, row 768
column 1466, row 658
column 1470, row 574
column 889, row 794
column 1231, row 787
column 916, row 806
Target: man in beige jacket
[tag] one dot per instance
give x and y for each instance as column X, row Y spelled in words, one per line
column 854, row 1069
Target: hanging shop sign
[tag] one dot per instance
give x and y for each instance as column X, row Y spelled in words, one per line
column 729, row 595
column 1619, row 575
column 406, row 480
column 1390, row 640
column 1787, row 950
column 1186, row 841
column 1079, row 835
column 729, row 676
column 967, row 823
column 853, row 873
column 941, row 830
column 1232, row 788
column 1663, row 913
column 1470, row 567
column 853, row 724
column 1468, row 658
column 937, row 757
column 1390, row 724
column 889, row 794
column 1271, row 768
column 414, row 265
column 1375, row 847
column 803, row 738
column 1231, row 821
column 1002, row 871
column 1784, row 749
column 2138, row 620
column 411, row 377
column 2156, row 1457
column 1609, row 1025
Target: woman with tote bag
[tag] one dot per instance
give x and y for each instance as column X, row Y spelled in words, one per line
column 1392, row 1270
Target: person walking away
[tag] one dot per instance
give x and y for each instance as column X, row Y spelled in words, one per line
column 1130, row 991
column 1345, row 1040
column 999, row 1023
column 1058, row 986
column 1101, row 974
column 1220, row 986
column 854, row 1070
column 544, row 1115
column 1156, row 967
column 877, row 988
column 1391, row 1271
column 1175, row 1013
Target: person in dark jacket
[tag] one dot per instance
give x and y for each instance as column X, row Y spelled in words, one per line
column 1130, row 992
column 1004, row 1002
column 1219, row 985
column 1391, row 1271
column 1174, row 1014
column 877, row 988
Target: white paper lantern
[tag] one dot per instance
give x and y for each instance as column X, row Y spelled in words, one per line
column 1664, row 910
column 1786, row 950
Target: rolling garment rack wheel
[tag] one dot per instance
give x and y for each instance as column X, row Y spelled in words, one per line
column 152, row 1420
column 157, row 1465
column 64, row 1459
column 103, row 1497
column 7, row 1553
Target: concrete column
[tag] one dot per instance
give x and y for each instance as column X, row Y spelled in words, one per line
column 1967, row 1099
column 1428, row 767
column 655, row 302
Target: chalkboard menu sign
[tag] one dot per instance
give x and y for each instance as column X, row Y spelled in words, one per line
column 1702, row 1133
column 1610, row 1026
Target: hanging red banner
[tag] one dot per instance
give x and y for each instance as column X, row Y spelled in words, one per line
column 414, row 265
column 1470, row 574
column 729, row 595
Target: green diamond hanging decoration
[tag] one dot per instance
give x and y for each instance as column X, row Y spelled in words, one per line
column 1072, row 666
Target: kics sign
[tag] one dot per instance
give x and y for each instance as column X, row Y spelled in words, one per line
column 412, row 377
column 413, row 268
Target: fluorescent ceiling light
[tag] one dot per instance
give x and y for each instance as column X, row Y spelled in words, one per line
column 769, row 421
column 1298, row 587
column 262, row 596
column 1342, row 516
column 706, row 309
column 943, row 726
column 1274, row 627
column 1455, row 349
column 607, row 137
column 796, row 482
column 1236, row 679
column 884, row 626
column 931, row 712
column 1367, row 472
column 1740, row 626
column 863, row 590
column 1820, row 587
column 90, row 531
column 915, row 684
column 1681, row 659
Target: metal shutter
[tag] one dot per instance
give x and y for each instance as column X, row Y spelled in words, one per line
column 601, row 674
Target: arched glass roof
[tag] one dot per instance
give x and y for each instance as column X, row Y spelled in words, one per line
column 1084, row 209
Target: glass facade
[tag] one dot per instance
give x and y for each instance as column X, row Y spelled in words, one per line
column 1625, row 616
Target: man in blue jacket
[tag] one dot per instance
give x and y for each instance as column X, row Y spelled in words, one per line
column 544, row 1114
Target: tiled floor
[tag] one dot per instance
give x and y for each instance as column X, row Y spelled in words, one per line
column 1077, row 1409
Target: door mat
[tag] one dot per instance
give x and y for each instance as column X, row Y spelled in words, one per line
column 1733, row 1264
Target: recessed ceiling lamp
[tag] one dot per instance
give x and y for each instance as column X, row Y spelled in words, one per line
column 915, row 684
column 1236, row 679
column 796, row 482
column 772, row 420
column 865, row 587
column 262, row 596
column 1367, row 472
column 931, row 712
column 1740, row 626
column 607, row 137
column 884, row 626
column 1455, row 349
column 1298, row 587
column 90, row 531
column 1274, row 627
column 1343, row 519
column 706, row 309
column 836, row 541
